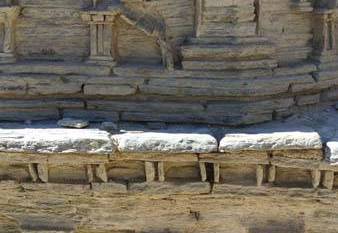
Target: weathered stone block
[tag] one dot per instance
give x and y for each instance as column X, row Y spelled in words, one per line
column 51, row 140
column 269, row 140
column 165, row 142
column 331, row 151
column 109, row 90
column 11, row 85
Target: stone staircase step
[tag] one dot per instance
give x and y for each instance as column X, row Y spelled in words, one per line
column 227, row 52
column 229, row 65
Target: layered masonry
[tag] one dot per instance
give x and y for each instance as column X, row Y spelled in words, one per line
column 175, row 160
column 217, row 62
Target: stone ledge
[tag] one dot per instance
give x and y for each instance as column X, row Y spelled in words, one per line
column 54, row 140
column 55, row 68
column 274, row 140
column 165, row 143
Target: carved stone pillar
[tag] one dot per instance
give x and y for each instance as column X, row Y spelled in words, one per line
column 103, row 38
column 324, row 35
column 8, row 16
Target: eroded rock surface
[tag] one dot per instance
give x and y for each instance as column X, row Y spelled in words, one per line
column 276, row 139
column 165, row 142
column 53, row 140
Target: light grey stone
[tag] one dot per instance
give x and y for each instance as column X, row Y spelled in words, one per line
column 73, row 123
column 274, row 139
column 331, row 151
column 165, row 142
column 53, row 140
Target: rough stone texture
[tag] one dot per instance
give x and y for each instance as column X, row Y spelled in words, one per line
column 167, row 61
column 276, row 140
column 332, row 151
column 51, row 140
column 150, row 64
column 73, row 123
column 165, row 143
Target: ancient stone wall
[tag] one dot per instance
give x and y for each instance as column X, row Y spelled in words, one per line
column 204, row 61
column 210, row 62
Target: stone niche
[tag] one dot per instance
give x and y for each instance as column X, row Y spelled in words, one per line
column 8, row 15
column 118, row 35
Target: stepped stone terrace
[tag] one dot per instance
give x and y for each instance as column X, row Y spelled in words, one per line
column 167, row 116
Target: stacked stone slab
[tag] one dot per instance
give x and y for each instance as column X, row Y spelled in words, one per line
column 231, row 81
column 226, row 38
column 173, row 160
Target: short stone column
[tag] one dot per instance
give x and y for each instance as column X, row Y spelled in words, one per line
column 324, row 41
column 8, row 16
column 103, row 38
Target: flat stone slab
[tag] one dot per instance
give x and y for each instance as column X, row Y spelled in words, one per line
column 331, row 152
column 275, row 139
column 165, row 143
column 73, row 123
column 54, row 140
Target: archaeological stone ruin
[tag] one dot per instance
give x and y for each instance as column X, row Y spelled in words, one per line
column 168, row 116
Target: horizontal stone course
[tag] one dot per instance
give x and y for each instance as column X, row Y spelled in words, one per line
column 49, row 139
column 273, row 140
column 165, row 143
column 54, row 140
column 55, row 68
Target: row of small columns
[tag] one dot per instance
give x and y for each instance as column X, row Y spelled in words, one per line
column 155, row 170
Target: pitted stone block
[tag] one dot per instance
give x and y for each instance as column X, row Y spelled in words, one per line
column 52, row 140
column 272, row 140
column 165, row 142
column 331, row 151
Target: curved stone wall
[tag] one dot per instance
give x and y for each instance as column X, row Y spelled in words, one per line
column 205, row 61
